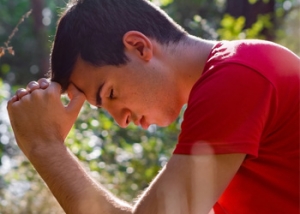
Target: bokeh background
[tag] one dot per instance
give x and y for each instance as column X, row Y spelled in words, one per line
column 123, row 160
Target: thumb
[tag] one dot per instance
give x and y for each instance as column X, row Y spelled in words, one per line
column 77, row 99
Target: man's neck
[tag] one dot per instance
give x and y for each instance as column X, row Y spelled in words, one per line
column 187, row 60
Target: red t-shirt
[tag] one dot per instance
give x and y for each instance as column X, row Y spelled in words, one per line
column 247, row 101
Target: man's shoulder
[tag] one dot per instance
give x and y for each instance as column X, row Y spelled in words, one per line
column 247, row 50
column 269, row 59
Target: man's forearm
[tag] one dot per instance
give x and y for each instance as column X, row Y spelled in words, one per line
column 74, row 189
column 177, row 189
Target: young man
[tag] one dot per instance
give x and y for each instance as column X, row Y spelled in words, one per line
column 238, row 150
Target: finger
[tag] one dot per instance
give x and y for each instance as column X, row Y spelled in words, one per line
column 77, row 99
column 12, row 100
column 33, row 85
column 44, row 83
column 21, row 92
column 55, row 87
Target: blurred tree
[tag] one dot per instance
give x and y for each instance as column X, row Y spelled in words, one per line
column 270, row 25
column 31, row 42
column 252, row 11
column 198, row 17
column 39, row 29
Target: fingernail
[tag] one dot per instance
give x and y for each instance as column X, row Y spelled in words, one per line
column 44, row 84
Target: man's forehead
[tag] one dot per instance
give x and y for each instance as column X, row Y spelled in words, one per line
column 83, row 74
column 86, row 83
column 88, row 92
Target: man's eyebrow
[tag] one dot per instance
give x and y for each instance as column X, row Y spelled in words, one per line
column 98, row 97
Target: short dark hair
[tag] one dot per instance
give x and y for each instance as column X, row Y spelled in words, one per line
column 94, row 29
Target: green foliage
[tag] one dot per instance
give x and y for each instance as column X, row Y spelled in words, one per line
column 5, row 68
column 162, row 3
column 198, row 17
column 263, row 22
column 234, row 28
column 6, row 137
column 231, row 28
column 252, row 1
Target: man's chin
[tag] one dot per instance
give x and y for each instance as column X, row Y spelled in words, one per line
column 165, row 123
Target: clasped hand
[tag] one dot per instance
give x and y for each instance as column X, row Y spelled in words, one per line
column 39, row 118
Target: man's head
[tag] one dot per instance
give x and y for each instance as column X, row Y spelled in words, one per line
column 94, row 29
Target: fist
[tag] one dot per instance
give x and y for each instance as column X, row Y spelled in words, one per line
column 33, row 85
column 39, row 118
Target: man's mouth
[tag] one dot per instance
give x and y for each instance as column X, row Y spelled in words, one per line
column 143, row 123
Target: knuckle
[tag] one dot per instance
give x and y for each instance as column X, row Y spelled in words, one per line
column 21, row 92
column 32, row 84
column 43, row 82
column 43, row 79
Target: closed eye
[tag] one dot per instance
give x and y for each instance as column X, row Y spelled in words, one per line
column 111, row 95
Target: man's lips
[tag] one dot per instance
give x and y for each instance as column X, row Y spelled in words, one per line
column 144, row 123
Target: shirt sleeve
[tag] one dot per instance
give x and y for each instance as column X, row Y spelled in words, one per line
column 227, row 112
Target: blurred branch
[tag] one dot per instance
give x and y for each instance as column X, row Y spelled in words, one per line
column 6, row 44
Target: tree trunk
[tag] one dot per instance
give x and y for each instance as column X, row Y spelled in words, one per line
column 238, row 8
column 41, row 35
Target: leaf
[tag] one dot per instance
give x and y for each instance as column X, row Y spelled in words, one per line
column 252, row 1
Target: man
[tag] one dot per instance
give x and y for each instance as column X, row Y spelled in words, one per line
column 238, row 150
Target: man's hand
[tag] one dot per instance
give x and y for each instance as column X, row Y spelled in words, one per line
column 38, row 116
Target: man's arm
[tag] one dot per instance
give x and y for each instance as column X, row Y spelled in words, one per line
column 187, row 184
column 71, row 185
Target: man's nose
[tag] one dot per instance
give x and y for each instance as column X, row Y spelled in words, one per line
column 122, row 117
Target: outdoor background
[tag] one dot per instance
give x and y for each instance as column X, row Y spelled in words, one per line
column 123, row 160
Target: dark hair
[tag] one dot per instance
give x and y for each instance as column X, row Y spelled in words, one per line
column 94, row 29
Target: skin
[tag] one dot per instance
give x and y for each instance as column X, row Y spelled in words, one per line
column 146, row 90
column 151, row 88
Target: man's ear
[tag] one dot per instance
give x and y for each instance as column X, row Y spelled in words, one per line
column 139, row 44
